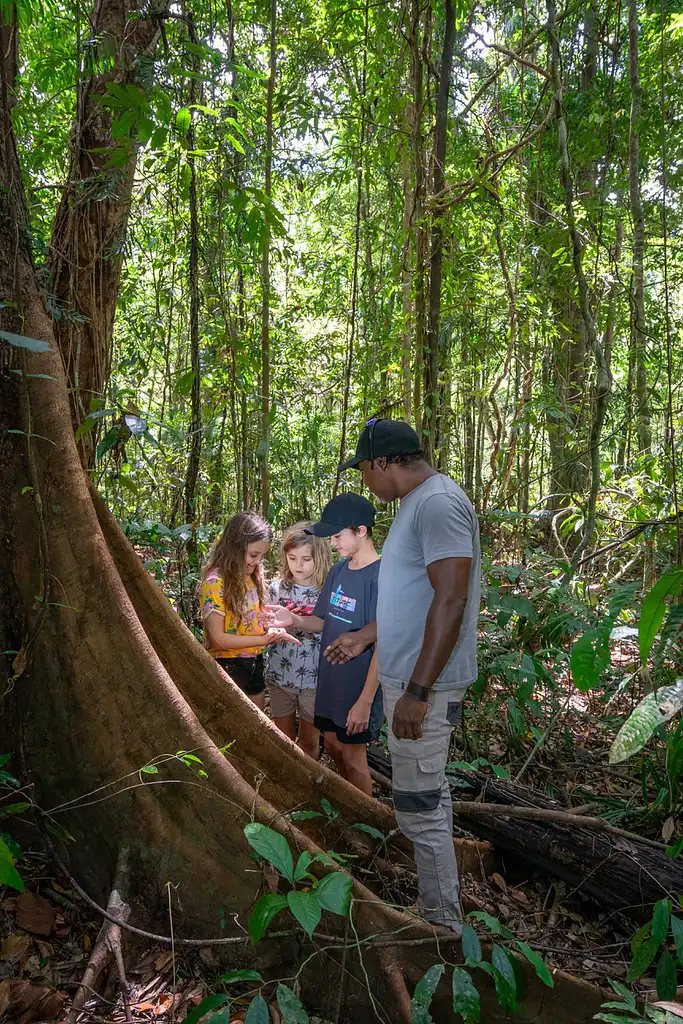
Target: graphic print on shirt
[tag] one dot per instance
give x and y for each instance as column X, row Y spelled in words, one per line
column 338, row 599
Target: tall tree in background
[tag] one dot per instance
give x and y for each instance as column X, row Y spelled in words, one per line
column 265, row 267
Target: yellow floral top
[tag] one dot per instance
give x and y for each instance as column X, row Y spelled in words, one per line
column 211, row 598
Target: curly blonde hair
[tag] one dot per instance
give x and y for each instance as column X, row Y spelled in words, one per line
column 227, row 556
column 295, row 537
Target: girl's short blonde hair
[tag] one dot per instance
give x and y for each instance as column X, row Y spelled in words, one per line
column 295, row 537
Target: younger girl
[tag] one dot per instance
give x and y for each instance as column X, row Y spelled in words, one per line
column 292, row 672
column 232, row 593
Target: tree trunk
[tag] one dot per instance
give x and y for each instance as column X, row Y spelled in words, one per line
column 86, row 250
column 644, row 433
column 195, row 365
column 431, row 384
column 265, row 273
column 417, row 77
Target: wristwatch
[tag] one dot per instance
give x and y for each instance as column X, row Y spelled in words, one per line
column 417, row 692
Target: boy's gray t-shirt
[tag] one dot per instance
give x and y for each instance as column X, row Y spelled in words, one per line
column 434, row 521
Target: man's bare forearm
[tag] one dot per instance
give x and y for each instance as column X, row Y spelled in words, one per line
column 442, row 630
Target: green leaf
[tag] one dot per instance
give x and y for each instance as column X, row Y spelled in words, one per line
column 304, row 815
column 492, row 923
column 272, row 846
column 302, row 865
column 258, row 1011
column 6, row 810
column 666, row 976
column 242, row 975
column 108, row 441
column 333, row 893
column 504, row 978
column 21, row 341
column 8, row 873
column 677, row 932
column 465, row 996
column 183, row 386
column 644, row 956
column 471, row 945
column 424, row 993
column 654, row 609
column 589, row 658
column 369, row 830
column 306, row 909
column 653, row 710
column 290, row 1006
column 84, row 428
column 206, row 1005
column 263, row 913
column 660, row 920
column 183, row 120
column 536, row 961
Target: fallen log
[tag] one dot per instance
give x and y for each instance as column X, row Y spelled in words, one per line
column 612, row 870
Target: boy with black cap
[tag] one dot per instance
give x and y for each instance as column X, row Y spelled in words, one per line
column 427, row 613
column 348, row 703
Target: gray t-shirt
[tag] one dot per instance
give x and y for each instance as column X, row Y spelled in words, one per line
column 434, row 521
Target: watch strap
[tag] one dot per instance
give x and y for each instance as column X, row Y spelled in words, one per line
column 417, row 692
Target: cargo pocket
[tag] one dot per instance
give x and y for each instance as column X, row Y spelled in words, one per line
column 454, row 712
column 417, row 784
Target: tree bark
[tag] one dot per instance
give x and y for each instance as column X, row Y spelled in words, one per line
column 431, row 383
column 87, row 245
column 265, row 272
column 643, row 430
column 195, row 452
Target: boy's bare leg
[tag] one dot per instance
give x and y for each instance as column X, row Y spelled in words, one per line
column 309, row 739
column 287, row 725
column 356, row 764
column 336, row 751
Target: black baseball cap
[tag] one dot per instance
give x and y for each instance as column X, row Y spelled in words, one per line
column 382, row 437
column 344, row 510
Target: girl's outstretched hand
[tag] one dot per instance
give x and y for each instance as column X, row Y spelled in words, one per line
column 275, row 616
column 276, row 636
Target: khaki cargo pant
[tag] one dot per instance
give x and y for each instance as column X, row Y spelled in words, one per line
column 422, row 802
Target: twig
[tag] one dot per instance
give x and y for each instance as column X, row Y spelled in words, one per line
column 540, row 742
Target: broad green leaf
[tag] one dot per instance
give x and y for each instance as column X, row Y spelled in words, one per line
column 677, row 932
column 653, row 710
column 369, row 830
column 8, row 873
column 272, row 846
column 183, row 120
column 242, row 975
column 6, row 810
column 660, row 920
column 304, row 815
column 492, row 923
column 465, row 996
column 504, row 978
column 302, row 865
column 333, row 892
column 644, row 956
column 263, row 913
column 108, row 441
column 424, row 993
column 258, row 1011
column 306, row 909
column 589, row 658
column 654, row 609
column 21, row 341
column 205, row 1007
column 183, row 386
column 536, row 961
column 471, row 945
column 666, row 976
column 290, row 1006
column 621, row 599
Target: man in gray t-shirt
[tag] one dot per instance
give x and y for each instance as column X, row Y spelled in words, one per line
column 427, row 609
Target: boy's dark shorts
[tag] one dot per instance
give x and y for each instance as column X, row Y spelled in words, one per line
column 248, row 673
column 327, row 725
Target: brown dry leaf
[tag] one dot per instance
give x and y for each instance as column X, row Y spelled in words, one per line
column 164, row 1004
column 668, row 829
column 35, row 914
column 163, row 961
column 207, row 955
column 676, row 1008
column 270, row 878
column 518, row 895
column 45, row 948
column 19, row 662
column 14, row 946
column 499, row 881
column 25, row 1003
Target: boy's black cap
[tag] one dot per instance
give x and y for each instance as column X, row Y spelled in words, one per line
column 382, row 437
column 344, row 510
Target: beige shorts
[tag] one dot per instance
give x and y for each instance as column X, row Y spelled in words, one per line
column 285, row 701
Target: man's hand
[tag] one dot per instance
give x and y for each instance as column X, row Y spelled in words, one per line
column 344, row 648
column 276, row 616
column 408, row 718
column 358, row 717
